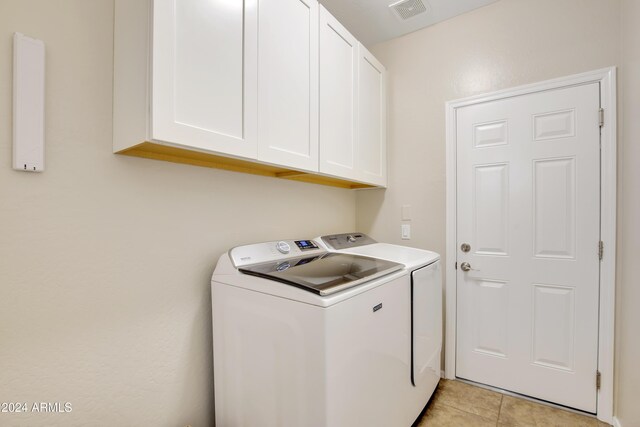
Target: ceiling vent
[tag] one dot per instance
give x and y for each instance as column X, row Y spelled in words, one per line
column 406, row 9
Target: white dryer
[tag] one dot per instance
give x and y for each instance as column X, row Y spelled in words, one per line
column 308, row 335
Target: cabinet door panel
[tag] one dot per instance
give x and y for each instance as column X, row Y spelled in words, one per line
column 372, row 116
column 288, row 83
column 338, row 97
column 204, row 75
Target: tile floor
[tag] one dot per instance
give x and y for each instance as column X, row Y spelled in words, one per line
column 457, row 404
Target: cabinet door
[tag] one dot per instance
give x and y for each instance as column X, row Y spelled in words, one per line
column 371, row 158
column 338, row 98
column 288, row 83
column 204, row 75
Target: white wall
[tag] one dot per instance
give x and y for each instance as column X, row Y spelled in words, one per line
column 105, row 260
column 628, row 291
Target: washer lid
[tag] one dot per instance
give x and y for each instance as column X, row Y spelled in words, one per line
column 324, row 274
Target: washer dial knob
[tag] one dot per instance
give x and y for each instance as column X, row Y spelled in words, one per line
column 283, row 247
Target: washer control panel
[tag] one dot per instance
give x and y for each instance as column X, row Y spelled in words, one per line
column 305, row 245
column 274, row 251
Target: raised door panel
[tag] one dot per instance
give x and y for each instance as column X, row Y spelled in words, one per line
column 372, row 119
column 489, row 308
column 338, row 97
column 288, row 83
column 490, row 201
column 554, row 216
column 204, row 93
column 553, row 326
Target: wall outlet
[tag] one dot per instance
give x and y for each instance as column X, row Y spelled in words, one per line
column 405, row 231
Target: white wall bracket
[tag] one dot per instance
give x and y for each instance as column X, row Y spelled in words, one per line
column 28, row 104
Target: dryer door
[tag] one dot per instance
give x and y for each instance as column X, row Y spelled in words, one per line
column 426, row 321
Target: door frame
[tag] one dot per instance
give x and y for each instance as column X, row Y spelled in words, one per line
column 606, row 333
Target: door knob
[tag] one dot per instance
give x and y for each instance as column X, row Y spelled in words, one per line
column 465, row 247
column 465, row 266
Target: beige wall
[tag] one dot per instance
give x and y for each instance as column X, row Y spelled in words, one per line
column 505, row 44
column 509, row 43
column 105, row 261
column 628, row 291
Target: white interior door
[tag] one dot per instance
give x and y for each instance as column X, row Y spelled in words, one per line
column 528, row 202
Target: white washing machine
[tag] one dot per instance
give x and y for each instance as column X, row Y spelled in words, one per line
column 308, row 333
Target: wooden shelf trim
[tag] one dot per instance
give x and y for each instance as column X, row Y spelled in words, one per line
column 151, row 150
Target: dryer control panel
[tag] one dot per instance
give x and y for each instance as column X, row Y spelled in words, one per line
column 347, row 240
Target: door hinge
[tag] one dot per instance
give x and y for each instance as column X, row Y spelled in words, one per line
column 600, row 249
column 598, row 380
column 601, row 117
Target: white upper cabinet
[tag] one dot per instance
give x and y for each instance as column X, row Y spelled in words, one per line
column 338, row 98
column 288, row 83
column 372, row 119
column 273, row 87
column 204, row 74
column 352, row 107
